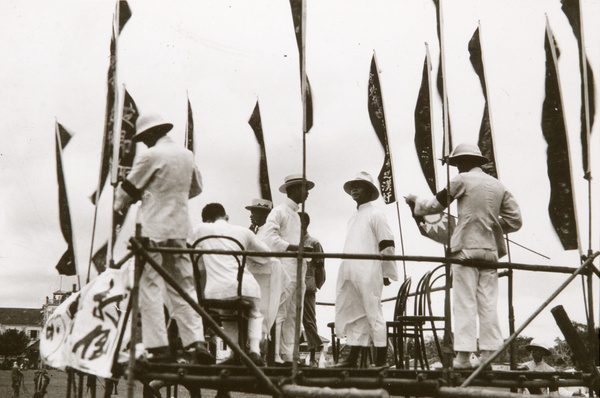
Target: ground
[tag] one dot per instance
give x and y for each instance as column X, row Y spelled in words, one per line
column 58, row 387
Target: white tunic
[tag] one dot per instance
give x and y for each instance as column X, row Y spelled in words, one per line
column 359, row 316
column 222, row 270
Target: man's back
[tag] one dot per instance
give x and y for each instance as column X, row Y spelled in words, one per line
column 222, row 270
column 482, row 203
column 164, row 174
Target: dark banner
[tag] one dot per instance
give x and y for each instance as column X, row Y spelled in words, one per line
column 263, row 174
column 66, row 264
column 561, row 207
column 486, row 140
column 189, row 130
column 423, row 133
column 376, row 113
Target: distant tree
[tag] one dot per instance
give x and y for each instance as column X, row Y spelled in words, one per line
column 13, row 342
column 561, row 352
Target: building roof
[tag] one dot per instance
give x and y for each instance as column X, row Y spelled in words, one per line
column 21, row 316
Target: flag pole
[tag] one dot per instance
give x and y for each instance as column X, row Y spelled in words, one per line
column 447, row 349
column 60, row 149
column 511, row 310
column 588, row 176
column 586, row 111
column 550, row 37
column 391, row 169
column 299, row 268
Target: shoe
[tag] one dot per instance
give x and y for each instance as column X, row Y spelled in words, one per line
column 345, row 364
column 314, row 364
column 201, row 355
column 288, row 364
column 257, row 359
column 233, row 360
column 460, row 365
column 160, row 355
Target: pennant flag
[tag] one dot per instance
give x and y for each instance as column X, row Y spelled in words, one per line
column 486, row 141
column 66, row 265
column 100, row 258
column 572, row 10
column 561, row 207
column 129, row 118
column 189, row 129
column 375, row 105
column 263, row 179
column 296, row 6
column 124, row 13
column 423, row 129
column 447, row 141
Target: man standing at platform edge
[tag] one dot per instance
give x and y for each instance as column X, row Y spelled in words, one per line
column 358, row 311
column 486, row 211
column 164, row 177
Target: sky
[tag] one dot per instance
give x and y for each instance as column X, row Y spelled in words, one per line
column 226, row 55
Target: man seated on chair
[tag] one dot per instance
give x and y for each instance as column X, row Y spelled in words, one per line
column 222, row 272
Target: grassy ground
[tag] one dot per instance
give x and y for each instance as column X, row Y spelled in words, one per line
column 58, row 387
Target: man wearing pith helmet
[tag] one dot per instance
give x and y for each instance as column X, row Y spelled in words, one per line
column 282, row 233
column 486, row 211
column 164, row 177
column 358, row 311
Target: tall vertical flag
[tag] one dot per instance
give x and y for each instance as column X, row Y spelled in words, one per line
column 263, row 175
column 296, row 6
column 561, row 207
column 376, row 113
column 424, row 140
column 572, row 10
column 434, row 227
column 123, row 14
column 125, row 161
column 441, row 86
column 189, row 129
column 486, row 140
column 66, row 265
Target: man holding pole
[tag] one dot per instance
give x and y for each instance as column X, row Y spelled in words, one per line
column 164, row 177
column 486, row 211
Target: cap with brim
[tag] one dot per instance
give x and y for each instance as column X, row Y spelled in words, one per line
column 260, row 204
column 539, row 346
column 365, row 178
column 295, row 179
column 150, row 123
column 466, row 151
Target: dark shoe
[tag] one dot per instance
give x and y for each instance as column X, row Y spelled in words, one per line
column 345, row 364
column 288, row 364
column 201, row 355
column 160, row 355
column 233, row 360
column 257, row 359
column 314, row 363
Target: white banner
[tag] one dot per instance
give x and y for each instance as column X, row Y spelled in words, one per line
column 88, row 339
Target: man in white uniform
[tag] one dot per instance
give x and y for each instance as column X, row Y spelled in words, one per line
column 222, row 271
column 358, row 311
column 282, row 233
column 486, row 211
column 164, row 177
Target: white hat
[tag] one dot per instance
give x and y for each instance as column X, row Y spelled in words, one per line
column 540, row 346
column 150, row 122
column 365, row 178
column 260, row 204
column 295, row 179
column 466, row 150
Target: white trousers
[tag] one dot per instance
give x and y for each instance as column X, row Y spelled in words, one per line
column 255, row 325
column 475, row 294
column 151, row 299
column 285, row 323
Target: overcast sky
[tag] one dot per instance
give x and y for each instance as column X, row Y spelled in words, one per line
column 227, row 54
